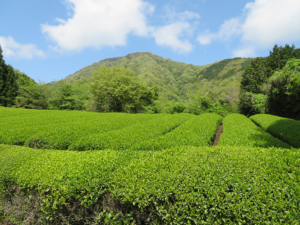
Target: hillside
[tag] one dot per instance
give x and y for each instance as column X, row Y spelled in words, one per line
column 176, row 80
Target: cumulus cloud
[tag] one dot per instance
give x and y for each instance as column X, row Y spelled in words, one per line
column 264, row 23
column 270, row 21
column 177, row 31
column 16, row 50
column 98, row 23
column 227, row 30
column 169, row 36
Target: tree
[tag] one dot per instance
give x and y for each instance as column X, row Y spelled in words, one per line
column 8, row 83
column 255, row 83
column 119, row 90
column 34, row 96
column 284, row 96
column 11, row 86
column 2, row 79
column 63, row 97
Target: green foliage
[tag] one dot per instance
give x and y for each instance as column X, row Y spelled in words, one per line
column 222, row 185
column 174, row 107
column 128, row 136
column 284, row 95
column 238, row 130
column 212, row 71
column 197, row 131
column 287, row 130
column 8, row 83
column 59, row 129
column 183, row 185
column 257, row 75
column 199, row 104
column 23, row 79
column 118, row 90
column 34, row 96
column 2, row 78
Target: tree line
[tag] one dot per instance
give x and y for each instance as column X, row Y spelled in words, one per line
column 272, row 84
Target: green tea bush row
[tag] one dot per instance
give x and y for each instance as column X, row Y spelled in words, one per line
column 285, row 129
column 58, row 129
column 59, row 176
column 238, row 130
column 126, row 137
column 198, row 131
column 183, row 185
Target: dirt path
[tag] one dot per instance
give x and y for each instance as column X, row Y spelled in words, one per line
column 218, row 135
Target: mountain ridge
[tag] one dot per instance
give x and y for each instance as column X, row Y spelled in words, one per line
column 176, row 80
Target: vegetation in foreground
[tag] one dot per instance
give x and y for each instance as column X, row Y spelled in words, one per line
column 182, row 185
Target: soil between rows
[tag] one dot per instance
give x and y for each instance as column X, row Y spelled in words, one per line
column 218, row 135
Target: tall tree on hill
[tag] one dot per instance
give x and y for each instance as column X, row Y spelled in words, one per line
column 11, row 86
column 119, row 90
column 2, row 78
column 8, row 83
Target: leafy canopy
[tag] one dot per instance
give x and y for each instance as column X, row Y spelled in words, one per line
column 119, row 90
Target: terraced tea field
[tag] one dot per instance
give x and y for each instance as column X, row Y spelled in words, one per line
column 64, row 167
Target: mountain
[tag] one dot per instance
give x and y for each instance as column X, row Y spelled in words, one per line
column 176, row 80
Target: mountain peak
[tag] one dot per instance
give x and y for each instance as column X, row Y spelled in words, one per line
column 176, row 80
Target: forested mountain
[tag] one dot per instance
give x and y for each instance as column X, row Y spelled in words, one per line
column 175, row 80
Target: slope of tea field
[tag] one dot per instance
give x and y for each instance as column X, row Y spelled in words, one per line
column 152, row 169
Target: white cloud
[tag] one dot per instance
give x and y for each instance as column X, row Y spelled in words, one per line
column 227, row 30
column 98, row 23
column 169, row 36
column 206, row 37
column 271, row 21
column 244, row 52
column 16, row 50
column 264, row 23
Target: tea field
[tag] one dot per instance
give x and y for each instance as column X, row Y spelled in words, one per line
column 66, row 167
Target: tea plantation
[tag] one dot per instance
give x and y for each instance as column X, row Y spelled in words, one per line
column 65, row 167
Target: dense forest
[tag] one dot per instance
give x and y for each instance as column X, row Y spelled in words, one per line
column 272, row 84
column 144, row 82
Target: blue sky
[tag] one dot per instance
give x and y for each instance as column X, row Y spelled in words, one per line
column 49, row 40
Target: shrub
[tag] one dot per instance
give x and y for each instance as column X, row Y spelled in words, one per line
column 287, row 130
column 238, row 130
column 197, row 131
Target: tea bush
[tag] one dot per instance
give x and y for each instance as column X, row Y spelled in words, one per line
column 126, row 137
column 238, row 130
column 198, row 131
column 182, row 185
column 58, row 129
column 287, row 130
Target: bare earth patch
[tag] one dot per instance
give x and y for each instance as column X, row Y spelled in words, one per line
column 218, row 135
